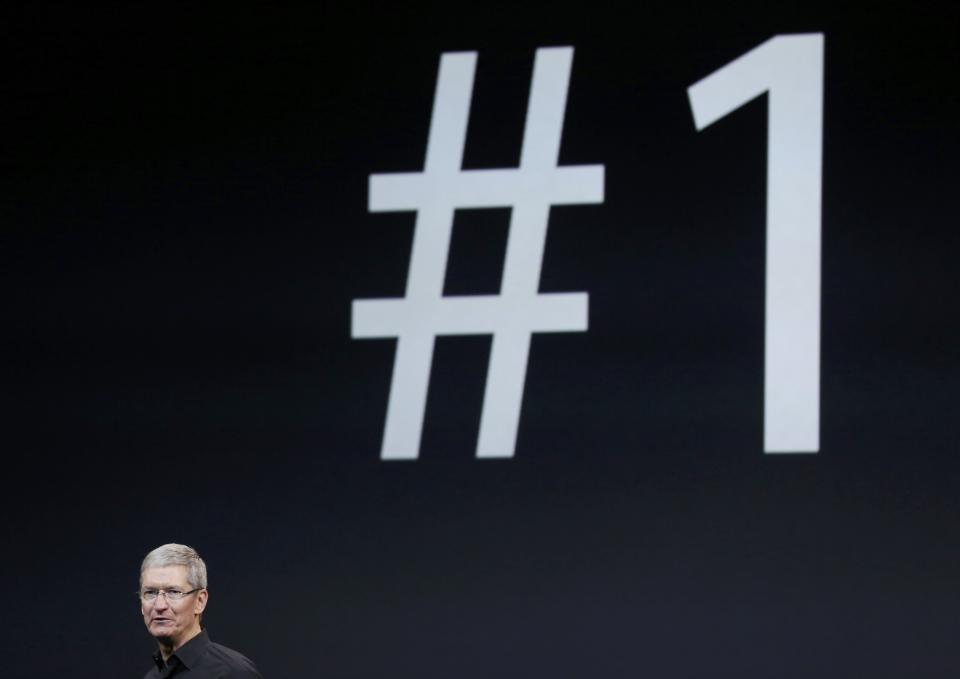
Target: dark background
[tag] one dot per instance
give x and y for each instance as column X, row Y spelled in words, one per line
column 184, row 227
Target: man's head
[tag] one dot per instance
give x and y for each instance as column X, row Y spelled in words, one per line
column 173, row 593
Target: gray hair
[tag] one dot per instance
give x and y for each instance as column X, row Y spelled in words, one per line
column 178, row 555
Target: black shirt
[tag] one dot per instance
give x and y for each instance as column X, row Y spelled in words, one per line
column 200, row 658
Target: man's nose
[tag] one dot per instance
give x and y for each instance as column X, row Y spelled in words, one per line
column 161, row 601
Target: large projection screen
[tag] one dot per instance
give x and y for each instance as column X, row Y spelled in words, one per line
column 467, row 340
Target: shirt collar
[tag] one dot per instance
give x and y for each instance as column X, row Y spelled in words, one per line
column 190, row 652
column 165, row 669
column 187, row 655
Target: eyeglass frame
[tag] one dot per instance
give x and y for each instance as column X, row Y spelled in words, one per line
column 166, row 595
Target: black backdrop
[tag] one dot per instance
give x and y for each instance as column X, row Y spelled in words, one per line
column 184, row 227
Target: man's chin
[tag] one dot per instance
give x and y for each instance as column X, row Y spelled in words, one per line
column 162, row 633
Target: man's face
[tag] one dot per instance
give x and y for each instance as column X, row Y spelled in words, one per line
column 173, row 622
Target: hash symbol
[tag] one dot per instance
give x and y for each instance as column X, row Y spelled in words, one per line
column 424, row 313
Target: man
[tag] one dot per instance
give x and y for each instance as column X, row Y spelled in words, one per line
column 173, row 594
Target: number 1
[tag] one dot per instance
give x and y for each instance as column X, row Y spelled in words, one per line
column 790, row 68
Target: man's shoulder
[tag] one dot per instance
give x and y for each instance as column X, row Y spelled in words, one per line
column 237, row 665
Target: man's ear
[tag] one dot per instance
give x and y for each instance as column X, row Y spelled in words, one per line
column 201, row 601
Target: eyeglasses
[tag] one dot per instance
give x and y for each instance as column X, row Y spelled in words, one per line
column 170, row 594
